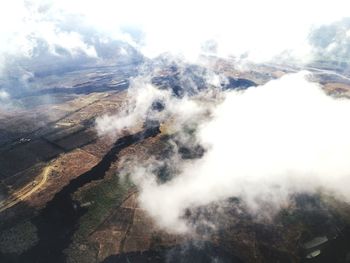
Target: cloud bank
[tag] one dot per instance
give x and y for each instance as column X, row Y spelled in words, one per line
column 258, row 30
column 331, row 42
column 262, row 145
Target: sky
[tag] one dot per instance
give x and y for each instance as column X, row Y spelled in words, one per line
column 259, row 29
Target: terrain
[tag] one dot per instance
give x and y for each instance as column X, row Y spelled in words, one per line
column 63, row 199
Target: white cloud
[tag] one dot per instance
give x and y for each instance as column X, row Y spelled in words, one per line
column 259, row 29
column 137, row 109
column 4, row 95
column 331, row 41
column 263, row 145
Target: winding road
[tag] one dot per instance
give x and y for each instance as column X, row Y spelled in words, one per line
column 26, row 191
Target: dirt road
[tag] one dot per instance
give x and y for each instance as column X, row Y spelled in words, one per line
column 26, row 191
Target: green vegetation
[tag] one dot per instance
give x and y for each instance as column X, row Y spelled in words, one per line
column 104, row 196
column 289, row 217
column 18, row 238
